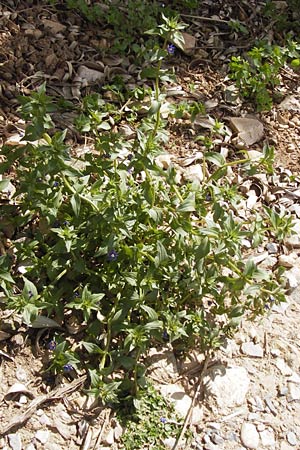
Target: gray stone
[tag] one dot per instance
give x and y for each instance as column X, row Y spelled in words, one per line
column 249, row 435
column 270, row 405
column 291, row 438
column 272, row 248
column 290, row 103
column 267, row 438
column 227, row 385
column 232, row 95
column 249, row 130
column 15, row 441
column 232, row 436
column 283, row 391
column 251, row 349
column 217, row 439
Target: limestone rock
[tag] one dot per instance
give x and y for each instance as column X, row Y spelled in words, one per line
column 182, row 401
column 293, row 241
column 249, row 130
column 249, row 435
column 227, row 385
column 15, row 441
column 267, row 438
column 251, row 349
column 189, row 43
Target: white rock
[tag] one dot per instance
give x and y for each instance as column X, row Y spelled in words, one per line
column 249, row 435
column 294, row 392
column 251, row 349
column 288, row 261
column 169, row 442
column 294, row 378
column 227, row 385
column 15, row 441
column 283, row 367
column 293, row 241
column 30, row 447
column 292, row 438
column 109, row 437
column 292, row 277
column 42, row 436
column 267, row 438
column 181, row 400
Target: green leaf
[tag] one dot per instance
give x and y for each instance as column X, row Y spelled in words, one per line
column 150, row 312
column 203, row 249
column 92, row 348
column 76, row 203
column 4, row 184
column 162, row 255
column 104, row 126
column 29, row 291
column 189, row 204
column 155, row 325
column 215, row 158
column 149, row 72
column 154, row 107
column 6, row 277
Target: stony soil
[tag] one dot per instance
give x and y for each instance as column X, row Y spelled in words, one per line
column 250, row 397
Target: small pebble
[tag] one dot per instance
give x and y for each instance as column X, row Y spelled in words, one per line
column 217, row 439
column 21, row 375
column 249, row 435
column 283, row 391
column 291, row 438
column 272, row 248
column 270, row 405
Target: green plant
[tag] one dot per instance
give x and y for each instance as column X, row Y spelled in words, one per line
column 258, row 74
column 122, row 246
column 151, row 421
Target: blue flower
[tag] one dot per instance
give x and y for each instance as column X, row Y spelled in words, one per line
column 171, row 49
column 52, row 345
column 68, row 368
column 165, row 335
column 112, row 255
column 163, row 420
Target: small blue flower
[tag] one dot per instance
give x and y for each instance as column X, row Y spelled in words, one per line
column 163, row 420
column 56, row 183
column 66, row 223
column 112, row 255
column 165, row 335
column 52, row 345
column 68, row 368
column 171, row 49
